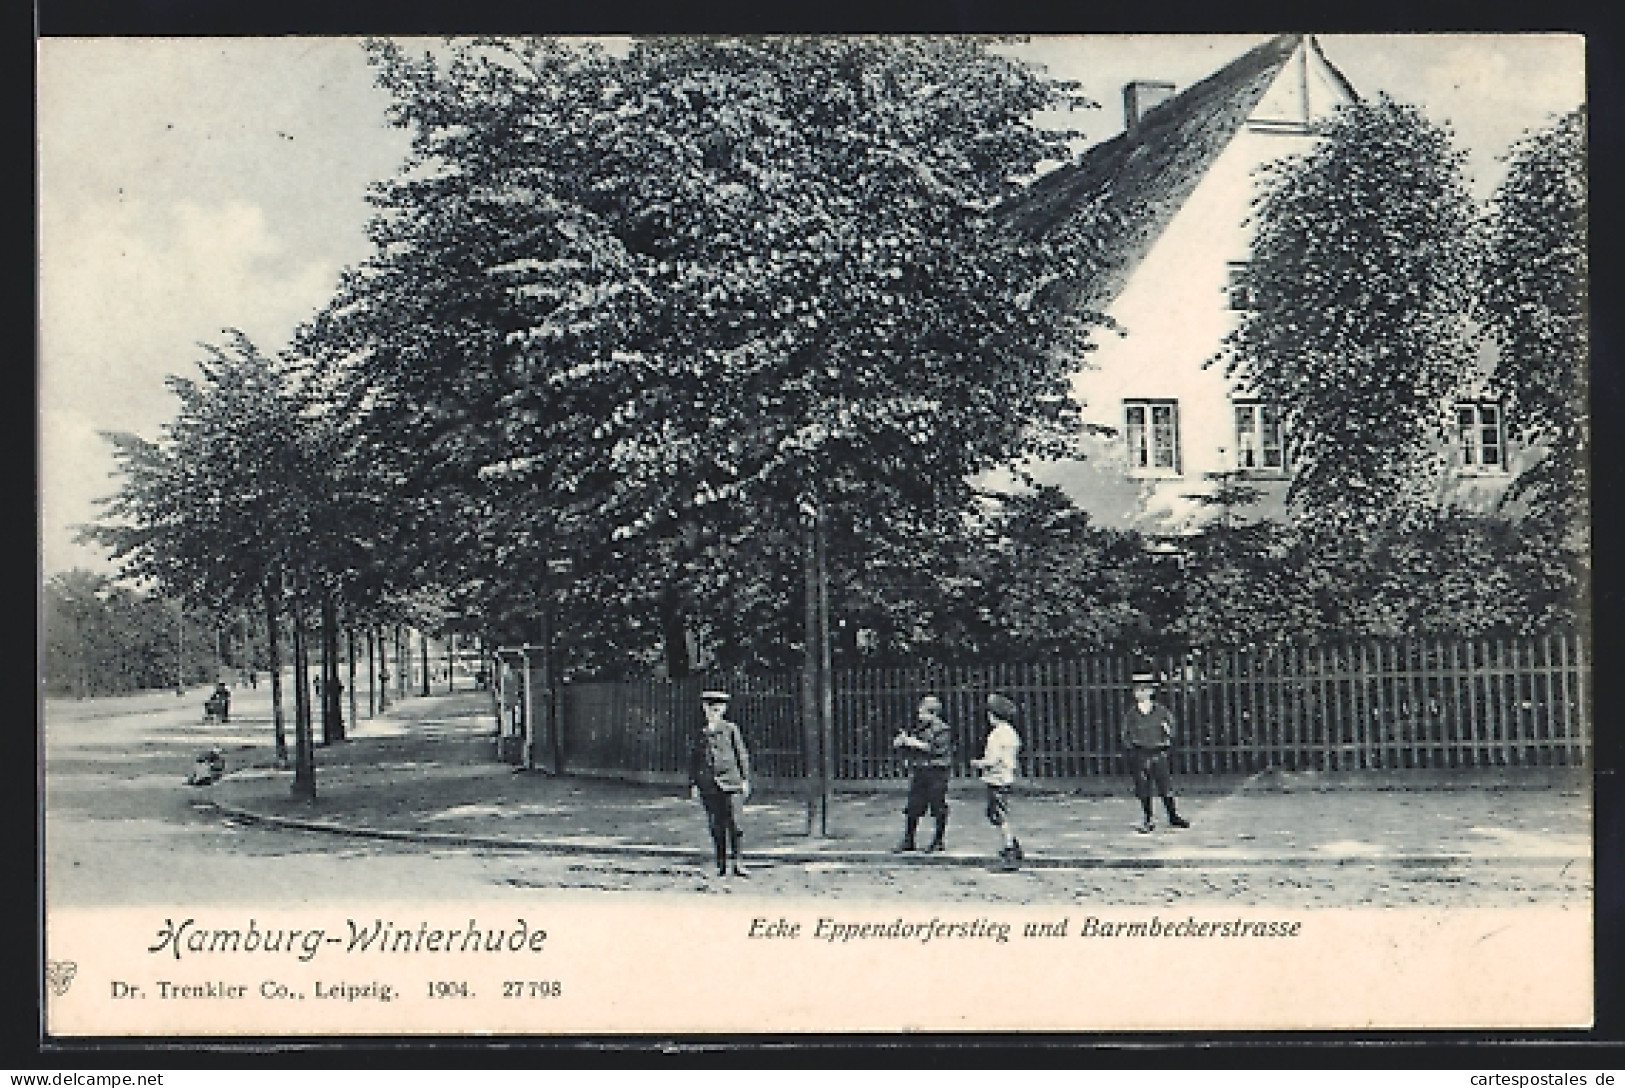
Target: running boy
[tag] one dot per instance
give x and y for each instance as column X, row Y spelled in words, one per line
column 719, row 774
column 1148, row 734
column 998, row 767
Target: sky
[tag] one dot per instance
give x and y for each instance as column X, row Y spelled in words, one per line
column 190, row 185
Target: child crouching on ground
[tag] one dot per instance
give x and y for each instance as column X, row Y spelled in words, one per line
column 998, row 768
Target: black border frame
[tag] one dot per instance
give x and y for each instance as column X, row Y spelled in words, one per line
column 1601, row 1047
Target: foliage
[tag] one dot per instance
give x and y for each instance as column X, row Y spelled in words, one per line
column 1362, row 272
column 228, row 496
column 635, row 308
column 1042, row 581
column 105, row 639
column 1446, row 575
column 1534, row 303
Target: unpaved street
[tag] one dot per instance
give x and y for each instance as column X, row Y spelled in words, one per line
column 123, row 829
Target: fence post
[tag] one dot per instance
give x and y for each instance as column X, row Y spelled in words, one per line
column 1501, row 672
column 1561, row 749
column 1582, row 705
column 1459, row 737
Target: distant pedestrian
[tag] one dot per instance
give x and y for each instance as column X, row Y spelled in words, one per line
column 1148, row 735
column 928, row 749
column 998, row 767
column 217, row 707
column 207, row 769
column 719, row 775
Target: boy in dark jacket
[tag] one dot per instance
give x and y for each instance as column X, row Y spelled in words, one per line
column 1148, row 734
column 719, row 775
column 928, row 748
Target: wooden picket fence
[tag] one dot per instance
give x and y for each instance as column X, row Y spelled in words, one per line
column 643, row 728
column 1350, row 707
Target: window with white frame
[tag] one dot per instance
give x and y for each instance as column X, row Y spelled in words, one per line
column 1152, row 430
column 1480, row 437
column 1260, row 441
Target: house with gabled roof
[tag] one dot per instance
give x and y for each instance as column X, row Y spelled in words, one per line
column 1166, row 204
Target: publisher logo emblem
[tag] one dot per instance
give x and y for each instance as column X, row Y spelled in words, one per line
column 59, row 975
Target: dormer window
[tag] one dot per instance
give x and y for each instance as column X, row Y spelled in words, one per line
column 1279, row 126
column 1237, row 289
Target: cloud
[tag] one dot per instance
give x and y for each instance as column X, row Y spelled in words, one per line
column 127, row 291
column 76, row 464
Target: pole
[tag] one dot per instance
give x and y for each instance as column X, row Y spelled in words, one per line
column 826, row 695
column 809, row 681
column 528, row 711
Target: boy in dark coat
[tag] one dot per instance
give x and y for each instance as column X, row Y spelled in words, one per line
column 928, row 749
column 719, row 775
column 1148, row 734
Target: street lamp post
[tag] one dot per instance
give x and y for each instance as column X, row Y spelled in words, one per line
column 817, row 702
column 558, row 567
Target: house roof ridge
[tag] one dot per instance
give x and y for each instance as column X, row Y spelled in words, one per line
column 1127, row 188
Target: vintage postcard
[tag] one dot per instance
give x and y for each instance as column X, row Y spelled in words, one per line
column 629, row 536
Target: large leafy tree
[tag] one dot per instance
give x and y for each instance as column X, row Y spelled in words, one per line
column 652, row 309
column 228, row 497
column 1534, row 303
column 241, row 501
column 1362, row 273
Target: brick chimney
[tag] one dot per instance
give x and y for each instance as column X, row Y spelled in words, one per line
column 1139, row 96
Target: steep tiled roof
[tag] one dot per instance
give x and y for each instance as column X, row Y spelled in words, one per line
column 1122, row 193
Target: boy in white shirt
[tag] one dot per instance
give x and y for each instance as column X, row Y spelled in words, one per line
column 998, row 767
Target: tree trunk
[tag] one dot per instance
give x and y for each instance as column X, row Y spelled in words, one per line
column 384, row 675
column 304, row 760
column 332, row 690
column 349, row 654
column 674, row 634
column 400, row 662
column 423, row 648
column 372, row 673
column 273, row 638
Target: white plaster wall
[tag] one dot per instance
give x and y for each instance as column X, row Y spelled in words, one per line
column 1174, row 313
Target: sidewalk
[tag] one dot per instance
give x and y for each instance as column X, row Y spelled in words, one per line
column 428, row 774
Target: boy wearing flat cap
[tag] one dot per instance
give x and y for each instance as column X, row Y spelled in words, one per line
column 1148, row 734
column 998, row 767
column 719, row 774
column 929, row 752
